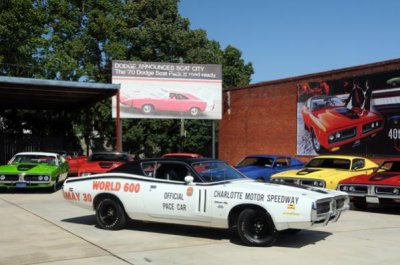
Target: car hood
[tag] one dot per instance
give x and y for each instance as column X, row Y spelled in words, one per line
column 307, row 173
column 249, row 169
column 380, row 178
column 342, row 117
column 284, row 189
column 100, row 166
column 27, row 168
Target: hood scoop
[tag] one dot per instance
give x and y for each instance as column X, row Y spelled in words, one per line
column 307, row 171
column 106, row 164
column 25, row 167
column 348, row 113
column 382, row 176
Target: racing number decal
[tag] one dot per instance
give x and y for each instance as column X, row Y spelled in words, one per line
column 116, row 186
column 202, row 201
column 76, row 196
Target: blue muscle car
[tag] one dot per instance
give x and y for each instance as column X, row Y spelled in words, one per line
column 261, row 167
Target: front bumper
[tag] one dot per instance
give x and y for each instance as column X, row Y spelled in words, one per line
column 328, row 210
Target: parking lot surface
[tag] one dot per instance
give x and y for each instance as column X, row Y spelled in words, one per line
column 43, row 228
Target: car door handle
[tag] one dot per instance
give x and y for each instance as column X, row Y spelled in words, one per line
column 153, row 186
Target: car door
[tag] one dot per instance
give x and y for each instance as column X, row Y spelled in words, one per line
column 170, row 197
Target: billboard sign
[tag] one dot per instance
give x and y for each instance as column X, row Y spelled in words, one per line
column 168, row 90
column 358, row 116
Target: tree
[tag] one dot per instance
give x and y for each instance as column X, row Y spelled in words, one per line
column 78, row 39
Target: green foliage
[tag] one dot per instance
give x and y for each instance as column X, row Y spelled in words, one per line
column 78, row 39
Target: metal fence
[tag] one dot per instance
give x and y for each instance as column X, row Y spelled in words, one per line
column 12, row 144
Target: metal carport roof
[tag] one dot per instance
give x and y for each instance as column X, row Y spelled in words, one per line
column 29, row 93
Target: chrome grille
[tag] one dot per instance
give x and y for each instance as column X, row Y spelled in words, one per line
column 387, row 190
column 323, row 207
column 10, row 177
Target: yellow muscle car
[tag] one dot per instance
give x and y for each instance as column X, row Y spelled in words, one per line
column 326, row 171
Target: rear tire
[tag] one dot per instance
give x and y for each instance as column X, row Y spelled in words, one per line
column 194, row 111
column 110, row 214
column 256, row 228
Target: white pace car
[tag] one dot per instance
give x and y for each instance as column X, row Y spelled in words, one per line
column 202, row 192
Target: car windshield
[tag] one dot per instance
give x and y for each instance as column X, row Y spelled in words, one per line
column 389, row 166
column 217, row 171
column 320, row 103
column 35, row 159
column 338, row 163
column 108, row 157
column 257, row 161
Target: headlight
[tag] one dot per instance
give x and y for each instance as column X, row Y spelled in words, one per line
column 40, row 178
column 338, row 135
column 331, row 137
column 396, row 191
column 85, row 174
column 344, row 188
column 2, row 177
column 46, row 178
column 352, row 189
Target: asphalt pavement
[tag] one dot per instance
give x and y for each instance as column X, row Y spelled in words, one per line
column 43, row 228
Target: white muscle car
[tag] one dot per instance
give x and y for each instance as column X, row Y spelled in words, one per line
column 202, row 192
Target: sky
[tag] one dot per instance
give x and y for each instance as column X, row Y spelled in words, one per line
column 287, row 38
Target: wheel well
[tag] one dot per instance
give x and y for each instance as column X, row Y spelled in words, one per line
column 235, row 212
column 101, row 196
column 147, row 104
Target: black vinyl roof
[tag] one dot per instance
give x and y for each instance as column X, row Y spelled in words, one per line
column 28, row 93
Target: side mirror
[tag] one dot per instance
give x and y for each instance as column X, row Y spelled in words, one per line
column 189, row 179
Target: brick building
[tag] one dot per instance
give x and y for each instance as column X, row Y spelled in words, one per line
column 262, row 118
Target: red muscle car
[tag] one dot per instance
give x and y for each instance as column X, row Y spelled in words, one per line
column 101, row 162
column 332, row 125
column 380, row 187
column 177, row 102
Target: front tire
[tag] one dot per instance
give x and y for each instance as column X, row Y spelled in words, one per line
column 110, row 214
column 315, row 143
column 147, row 109
column 256, row 228
column 54, row 188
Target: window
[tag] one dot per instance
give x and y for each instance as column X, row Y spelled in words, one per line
column 358, row 163
column 173, row 172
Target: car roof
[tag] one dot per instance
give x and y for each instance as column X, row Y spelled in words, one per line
column 110, row 152
column 182, row 155
column 37, row 153
column 180, row 159
column 266, row 156
column 340, row 156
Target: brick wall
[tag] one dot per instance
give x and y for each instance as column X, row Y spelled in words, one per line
column 261, row 118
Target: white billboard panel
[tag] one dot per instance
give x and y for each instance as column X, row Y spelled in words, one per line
column 168, row 90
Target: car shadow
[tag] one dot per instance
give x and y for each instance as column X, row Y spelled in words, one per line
column 301, row 239
column 82, row 220
column 380, row 209
column 13, row 190
column 286, row 240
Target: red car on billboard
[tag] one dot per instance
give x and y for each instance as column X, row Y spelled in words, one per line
column 380, row 187
column 332, row 125
column 101, row 162
column 176, row 102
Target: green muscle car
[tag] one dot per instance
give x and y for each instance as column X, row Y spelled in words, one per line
column 30, row 170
